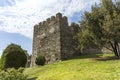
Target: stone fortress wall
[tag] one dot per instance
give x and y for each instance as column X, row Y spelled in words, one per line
column 54, row 39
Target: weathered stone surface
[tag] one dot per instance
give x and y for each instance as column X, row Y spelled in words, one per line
column 54, row 39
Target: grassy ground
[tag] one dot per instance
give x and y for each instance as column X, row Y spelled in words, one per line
column 85, row 67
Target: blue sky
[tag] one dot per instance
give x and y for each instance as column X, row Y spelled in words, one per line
column 17, row 17
column 7, row 38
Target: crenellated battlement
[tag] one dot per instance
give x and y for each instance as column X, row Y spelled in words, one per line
column 56, row 19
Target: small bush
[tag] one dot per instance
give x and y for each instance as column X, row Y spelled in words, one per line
column 40, row 60
column 12, row 74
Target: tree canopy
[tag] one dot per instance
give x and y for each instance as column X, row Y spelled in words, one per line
column 101, row 27
column 13, row 57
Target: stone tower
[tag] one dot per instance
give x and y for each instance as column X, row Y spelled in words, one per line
column 54, row 39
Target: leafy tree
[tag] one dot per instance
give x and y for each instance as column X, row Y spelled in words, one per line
column 102, row 26
column 13, row 56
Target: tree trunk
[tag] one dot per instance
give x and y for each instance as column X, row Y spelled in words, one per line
column 116, row 49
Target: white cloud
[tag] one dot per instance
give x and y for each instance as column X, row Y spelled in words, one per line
column 21, row 17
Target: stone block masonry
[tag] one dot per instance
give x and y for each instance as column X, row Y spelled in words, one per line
column 54, row 39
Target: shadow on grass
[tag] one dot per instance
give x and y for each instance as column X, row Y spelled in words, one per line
column 107, row 58
column 34, row 78
column 84, row 56
column 98, row 57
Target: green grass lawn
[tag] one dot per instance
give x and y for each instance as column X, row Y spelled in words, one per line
column 84, row 67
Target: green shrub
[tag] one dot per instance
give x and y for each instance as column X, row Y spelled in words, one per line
column 40, row 60
column 0, row 64
column 13, row 57
column 12, row 74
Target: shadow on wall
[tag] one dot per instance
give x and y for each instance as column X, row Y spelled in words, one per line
column 95, row 51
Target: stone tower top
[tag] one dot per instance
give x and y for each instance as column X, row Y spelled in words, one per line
column 58, row 18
